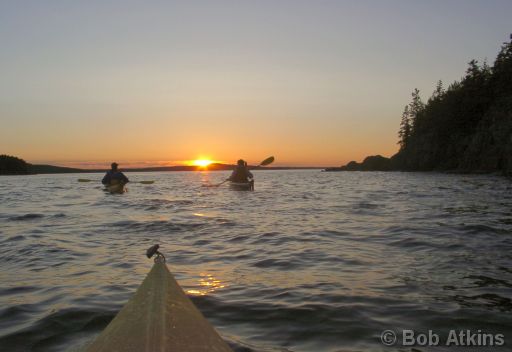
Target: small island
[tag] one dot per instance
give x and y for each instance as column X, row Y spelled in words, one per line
column 464, row 128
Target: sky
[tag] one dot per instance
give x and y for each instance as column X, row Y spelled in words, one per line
column 314, row 83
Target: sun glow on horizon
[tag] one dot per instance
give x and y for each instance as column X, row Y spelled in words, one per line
column 201, row 162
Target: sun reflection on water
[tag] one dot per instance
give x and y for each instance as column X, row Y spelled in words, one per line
column 207, row 284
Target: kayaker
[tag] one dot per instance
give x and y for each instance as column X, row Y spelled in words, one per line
column 241, row 173
column 114, row 176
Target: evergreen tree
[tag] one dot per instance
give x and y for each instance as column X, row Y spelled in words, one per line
column 438, row 92
column 405, row 129
column 416, row 106
column 502, row 71
column 504, row 56
column 473, row 71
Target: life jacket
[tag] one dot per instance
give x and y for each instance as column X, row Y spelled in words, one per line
column 114, row 177
column 241, row 174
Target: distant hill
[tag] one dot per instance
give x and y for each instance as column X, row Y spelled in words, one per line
column 10, row 165
column 50, row 169
column 212, row 167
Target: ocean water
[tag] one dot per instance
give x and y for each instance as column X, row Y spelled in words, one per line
column 309, row 261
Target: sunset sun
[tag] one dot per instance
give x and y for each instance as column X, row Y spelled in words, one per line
column 202, row 162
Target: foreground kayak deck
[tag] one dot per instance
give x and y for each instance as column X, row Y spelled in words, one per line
column 159, row 317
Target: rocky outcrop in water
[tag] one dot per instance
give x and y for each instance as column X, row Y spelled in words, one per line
column 370, row 163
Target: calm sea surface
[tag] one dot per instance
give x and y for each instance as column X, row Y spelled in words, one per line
column 309, row 261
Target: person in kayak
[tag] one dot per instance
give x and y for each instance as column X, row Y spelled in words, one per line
column 114, row 176
column 241, row 173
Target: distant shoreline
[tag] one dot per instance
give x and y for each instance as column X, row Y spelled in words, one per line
column 11, row 165
column 51, row 169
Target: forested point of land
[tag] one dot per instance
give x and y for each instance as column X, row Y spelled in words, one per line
column 466, row 127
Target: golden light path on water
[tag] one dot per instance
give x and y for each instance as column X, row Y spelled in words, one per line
column 207, row 284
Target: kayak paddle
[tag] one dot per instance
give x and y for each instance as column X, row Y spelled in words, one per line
column 84, row 180
column 267, row 161
column 218, row 184
column 143, row 182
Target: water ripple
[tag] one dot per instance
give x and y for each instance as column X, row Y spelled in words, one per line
column 309, row 261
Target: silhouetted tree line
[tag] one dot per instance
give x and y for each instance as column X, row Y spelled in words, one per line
column 467, row 127
column 10, row 165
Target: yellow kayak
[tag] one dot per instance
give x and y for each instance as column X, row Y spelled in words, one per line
column 159, row 317
column 116, row 188
column 242, row 186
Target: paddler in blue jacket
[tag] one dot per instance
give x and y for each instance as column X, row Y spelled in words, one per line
column 241, row 173
column 114, row 176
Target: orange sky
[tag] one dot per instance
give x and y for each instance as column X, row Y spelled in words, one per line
column 226, row 137
column 312, row 83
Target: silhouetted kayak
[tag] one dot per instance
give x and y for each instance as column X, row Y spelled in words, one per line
column 116, row 188
column 244, row 186
column 159, row 317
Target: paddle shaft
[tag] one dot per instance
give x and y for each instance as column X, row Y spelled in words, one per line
column 143, row 182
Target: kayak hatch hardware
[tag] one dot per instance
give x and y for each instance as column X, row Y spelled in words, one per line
column 154, row 250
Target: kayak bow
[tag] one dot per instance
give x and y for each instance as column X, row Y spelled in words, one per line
column 159, row 317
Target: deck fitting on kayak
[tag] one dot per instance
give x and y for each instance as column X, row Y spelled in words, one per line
column 154, row 250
